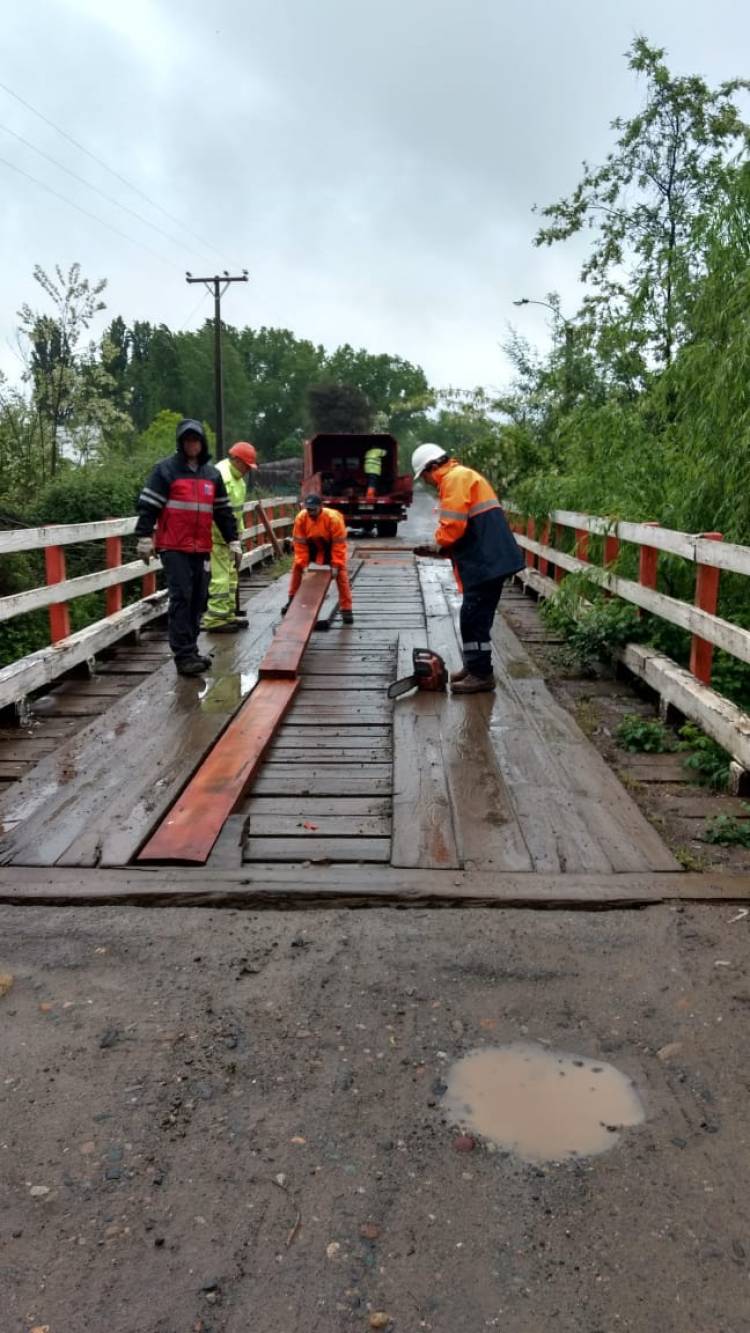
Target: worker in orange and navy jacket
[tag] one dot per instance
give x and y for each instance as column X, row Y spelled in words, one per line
column 474, row 532
column 319, row 537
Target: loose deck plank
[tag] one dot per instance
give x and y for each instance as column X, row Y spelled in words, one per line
column 282, row 660
column 190, row 829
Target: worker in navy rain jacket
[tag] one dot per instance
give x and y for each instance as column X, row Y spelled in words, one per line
column 474, row 533
column 183, row 496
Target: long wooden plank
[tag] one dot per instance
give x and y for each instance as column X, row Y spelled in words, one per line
column 95, row 799
column 194, row 823
column 285, row 653
column 423, row 830
column 275, row 885
column 488, row 832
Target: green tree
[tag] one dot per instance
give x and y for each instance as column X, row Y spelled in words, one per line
column 339, row 407
column 670, row 166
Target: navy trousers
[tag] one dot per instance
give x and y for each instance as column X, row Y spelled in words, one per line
column 477, row 614
column 188, row 577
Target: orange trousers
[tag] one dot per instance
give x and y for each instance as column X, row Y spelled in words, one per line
column 338, row 572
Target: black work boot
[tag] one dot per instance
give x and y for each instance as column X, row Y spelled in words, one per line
column 347, row 617
column 474, row 684
column 191, row 666
column 461, row 674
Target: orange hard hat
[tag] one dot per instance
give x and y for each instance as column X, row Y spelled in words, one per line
column 245, row 453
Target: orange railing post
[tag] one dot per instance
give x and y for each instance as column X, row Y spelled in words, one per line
column 544, row 539
column 582, row 544
column 59, row 615
column 531, row 533
column 707, row 598
column 648, row 559
column 611, row 549
column 113, row 595
column 559, row 571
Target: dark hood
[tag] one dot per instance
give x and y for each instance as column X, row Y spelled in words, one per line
column 189, row 424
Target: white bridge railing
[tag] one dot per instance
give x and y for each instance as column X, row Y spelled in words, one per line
column 65, row 650
column 687, row 690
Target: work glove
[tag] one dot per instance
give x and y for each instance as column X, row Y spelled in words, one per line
column 145, row 548
column 236, row 549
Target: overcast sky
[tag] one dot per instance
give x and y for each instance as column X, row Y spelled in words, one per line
column 373, row 163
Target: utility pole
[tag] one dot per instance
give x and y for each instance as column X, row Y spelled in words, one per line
column 218, row 285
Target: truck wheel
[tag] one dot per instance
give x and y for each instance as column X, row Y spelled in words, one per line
column 387, row 527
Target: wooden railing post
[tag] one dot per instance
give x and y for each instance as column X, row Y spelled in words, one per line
column 559, row 571
column 648, row 561
column 531, row 533
column 611, row 549
column 707, row 598
column 59, row 615
column 582, row 544
column 113, row 595
column 544, row 539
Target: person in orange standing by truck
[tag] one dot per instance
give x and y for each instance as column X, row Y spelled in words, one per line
column 319, row 537
column 474, row 533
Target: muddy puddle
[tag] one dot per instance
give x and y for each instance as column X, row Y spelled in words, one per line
column 541, row 1104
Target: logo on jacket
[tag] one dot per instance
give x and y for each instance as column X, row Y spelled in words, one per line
column 207, row 488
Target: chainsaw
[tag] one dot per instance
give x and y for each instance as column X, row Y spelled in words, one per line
column 430, row 673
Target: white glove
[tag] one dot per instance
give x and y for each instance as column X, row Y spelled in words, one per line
column 236, row 549
column 145, row 548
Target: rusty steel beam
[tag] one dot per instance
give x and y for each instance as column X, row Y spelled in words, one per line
column 282, row 661
column 195, row 821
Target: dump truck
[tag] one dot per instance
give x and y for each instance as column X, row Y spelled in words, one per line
column 333, row 467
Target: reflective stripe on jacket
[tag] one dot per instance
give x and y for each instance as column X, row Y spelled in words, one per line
column 373, row 463
column 321, row 540
column 473, row 527
column 182, row 504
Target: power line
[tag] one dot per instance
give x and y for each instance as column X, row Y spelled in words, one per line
column 106, row 167
column 95, row 188
column 124, row 236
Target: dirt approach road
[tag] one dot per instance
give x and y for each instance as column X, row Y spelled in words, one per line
column 215, row 1122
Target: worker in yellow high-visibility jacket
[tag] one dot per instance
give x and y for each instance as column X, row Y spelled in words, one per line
column 373, row 469
column 221, row 615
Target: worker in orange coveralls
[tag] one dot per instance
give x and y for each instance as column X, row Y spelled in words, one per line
column 319, row 537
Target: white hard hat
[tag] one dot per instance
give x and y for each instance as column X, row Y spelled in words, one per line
column 424, row 454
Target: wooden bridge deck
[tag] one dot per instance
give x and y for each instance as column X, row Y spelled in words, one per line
column 483, row 798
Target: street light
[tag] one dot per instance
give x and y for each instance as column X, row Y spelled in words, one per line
column 568, row 327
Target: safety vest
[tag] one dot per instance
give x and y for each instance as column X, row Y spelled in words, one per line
column 236, row 489
column 473, row 526
column 374, row 462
